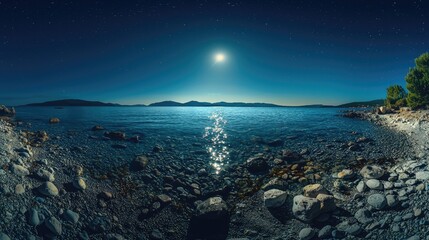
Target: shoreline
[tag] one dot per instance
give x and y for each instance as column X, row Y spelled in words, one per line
column 82, row 206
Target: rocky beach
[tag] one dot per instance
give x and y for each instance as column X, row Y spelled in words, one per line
column 370, row 190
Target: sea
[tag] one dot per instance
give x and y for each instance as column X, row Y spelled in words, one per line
column 217, row 137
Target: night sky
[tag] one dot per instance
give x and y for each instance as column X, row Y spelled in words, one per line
column 285, row 52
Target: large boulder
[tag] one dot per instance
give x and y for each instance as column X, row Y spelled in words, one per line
column 274, row 198
column 372, row 171
column 305, row 209
column 210, row 221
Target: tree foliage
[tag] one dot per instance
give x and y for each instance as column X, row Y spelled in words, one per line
column 418, row 83
column 396, row 97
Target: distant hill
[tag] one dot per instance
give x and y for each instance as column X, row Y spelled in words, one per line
column 72, row 102
column 374, row 103
column 207, row 104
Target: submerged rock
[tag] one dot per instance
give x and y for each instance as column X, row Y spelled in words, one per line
column 115, row 135
column 97, row 128
column 139, row 163
column 54, row 120
column 257, row 164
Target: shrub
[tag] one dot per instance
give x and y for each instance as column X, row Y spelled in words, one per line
column 396, row 97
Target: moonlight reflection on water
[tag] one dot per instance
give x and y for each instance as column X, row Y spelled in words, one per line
column 217, row 137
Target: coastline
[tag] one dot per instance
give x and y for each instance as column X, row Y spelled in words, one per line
column 78, row 210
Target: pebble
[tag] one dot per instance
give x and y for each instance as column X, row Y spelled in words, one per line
column 407, row 216
column 45, row 175
column 361, row 187
column 70, row 216
column 54, row 226
column 354, row 230
column 374, row 184
column 33, row 217
column 326, row 232
column 392, row 200
column 48, row 189
column 20, row 170
column 312, row 190
column 19, row 189
column 157, row 235
column 372, row 171
column 164, row 198
column 417, row 212
column 423, row 175
column 306, row 233
column 79, row 184
column 363, row 216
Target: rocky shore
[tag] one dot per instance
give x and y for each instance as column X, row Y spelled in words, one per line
column 47, row 191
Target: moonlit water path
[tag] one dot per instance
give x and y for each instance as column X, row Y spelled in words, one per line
column 217, row 136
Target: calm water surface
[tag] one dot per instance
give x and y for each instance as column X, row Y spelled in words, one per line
column 220, row 132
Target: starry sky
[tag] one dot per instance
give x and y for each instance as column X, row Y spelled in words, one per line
column 284, row 52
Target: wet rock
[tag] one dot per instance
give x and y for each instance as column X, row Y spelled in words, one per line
column 372, row 172
column 54, row 120
column 105, row 195
column 363, row 216
column 134, row 139
column 210, row 221
column 312, row 190
column 20, row 170
column 97, row 128
column 417, row 212
column 392, row 200
column 361, row 187
column 327, row 202
column 326, row 232
column 139, row 163
column 377, row 201
column 422, row 175
column 115, row 135
column 4, row 236
column 305, row 209
column 33, row 217
column 54, row 226
column 257, row 164
column 70, row 216
column 156, row 235
column 353, row 230
column 306, row 233
column 164, row 199
column 275, row 143
column 48, row 189
column 79, row 184
column 99, row 225
column 119, row 146
column 274, row 198
column 374, row 184
column 275, row 183
column 7, row 112
column 346, row 174
column 45, row 175
column 19, row 189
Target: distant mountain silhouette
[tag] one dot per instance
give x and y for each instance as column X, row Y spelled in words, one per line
column 78, row 102
column 207, row 104
column 72, row 102
column 373, row 103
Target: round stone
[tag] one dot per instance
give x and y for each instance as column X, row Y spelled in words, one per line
column 48, row 189
column 377, row 201
column 306, row 233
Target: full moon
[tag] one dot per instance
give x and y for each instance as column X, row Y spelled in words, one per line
column 219, row 57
